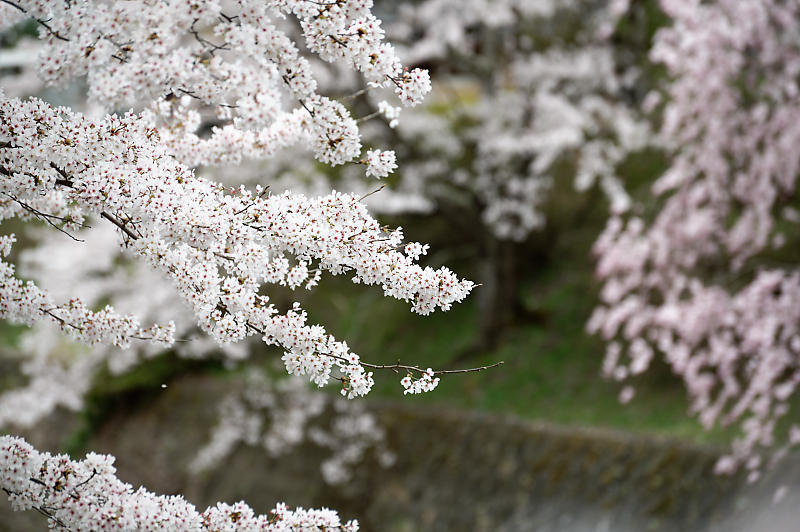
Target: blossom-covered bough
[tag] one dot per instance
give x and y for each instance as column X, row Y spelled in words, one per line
column 86, row 495
column 218, row 246
column 178, row 65
column 696, row 284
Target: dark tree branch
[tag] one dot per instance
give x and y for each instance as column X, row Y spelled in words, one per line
column 41, row 22
column 122, row 225
column 48, row 218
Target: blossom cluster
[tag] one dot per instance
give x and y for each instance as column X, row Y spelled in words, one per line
column 244, row 65
column 24, row 302
column 380, row 163
column 425, row 383
column 731, row 119
column 391, row 113
column 210, row 84
column 87, row 495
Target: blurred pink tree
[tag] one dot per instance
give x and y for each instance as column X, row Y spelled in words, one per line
column 698, row 283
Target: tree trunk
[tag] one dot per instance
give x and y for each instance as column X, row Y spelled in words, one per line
column 497, row 297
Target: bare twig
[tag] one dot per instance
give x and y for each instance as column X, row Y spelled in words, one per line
column 41, row 509
column 354, row 95
column 338, row 41
column 368, row 194
column 61, row 320
column 66, row 179
column 367, row 117
column 94, row 474
column 228, row 18
column 395, row 367
column 189, row 93
column 205, row 42
column 52, row 517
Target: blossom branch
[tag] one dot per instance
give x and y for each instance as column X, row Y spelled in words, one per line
column 115, row 505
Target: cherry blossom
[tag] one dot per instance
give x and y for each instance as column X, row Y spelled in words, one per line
column 694, row 284
column 128, row 182
column 380, row 163
column 86, row 495
column 191, row 229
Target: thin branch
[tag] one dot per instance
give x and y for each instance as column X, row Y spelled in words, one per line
column 189, row 93
column 43, row 23
column 394, row 367
column 205, row 42
column 367, row 117
column 419, row 370
column 52, row 517
column 229, row 18
column 66, row 179
column 67, row 182
column 40, row 509
column 94, row 474
column 44, row 216
column 62, row 321
column 354, row 95
column 368, row 194
column 337, row 40
column 122, row 226
column 37, row 481
column 310, row 111
column 394, row 80
column 266, row 189
column 129, row 221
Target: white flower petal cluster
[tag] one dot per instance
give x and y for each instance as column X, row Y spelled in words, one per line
column 414, row 250
column 278, row 417
column 24, row 302
column 87, row 495
column 391, row 113
column 380, row 163
column 425, row 383
column 209, row 84
column 241, row 62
